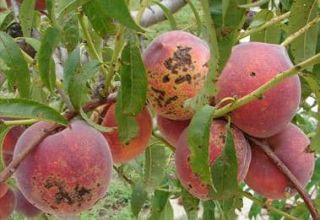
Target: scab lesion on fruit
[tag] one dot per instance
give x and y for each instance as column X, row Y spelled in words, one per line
column 78, row 195
column 166, row 78
column 170, row 99
column 181, row 60
column 253, row 74
column 182, row 79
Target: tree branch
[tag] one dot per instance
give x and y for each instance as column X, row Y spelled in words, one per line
column 301, row 31
column 122, row 175
column 12, row 167
column 264, row 26
column 285, row 170
column 154, row 14
column 161, row 139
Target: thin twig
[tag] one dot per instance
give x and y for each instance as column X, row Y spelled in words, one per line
column 161, row 139
column 18, row 122
column 301, row 31
column 285, row 170
column 122, row 175
column 264, row 26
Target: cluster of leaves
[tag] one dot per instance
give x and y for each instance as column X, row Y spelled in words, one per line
column 77, row 40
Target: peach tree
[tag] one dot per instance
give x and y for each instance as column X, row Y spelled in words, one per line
column 211, row 103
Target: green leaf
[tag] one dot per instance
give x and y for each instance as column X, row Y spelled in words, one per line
column 300, row 211
column 71, row 32
column 279, row 204
column 133, row 80
column 228, row 19
column 167, row 212
column 17, row 71
column 117, row 10
column 127, row 125
column 99, row 18
column 72, row 67
column 315, row 180
column 302, row 12
column 26, row 14
column 138, row 198
column 316, row 68
column 154, row 170
column 190, row 204
column 254, row 211
column 228, row 207
column 271, row 34
column 93, row 124
column 209, row 90
column 315, row 87
column 208, row 210
column 50, row 6
column 196, row 16
column 6, row 17
column 158, row 204
column 46, row 64
column 66, row 6
column 224, row 170
column 77, row 88
column 3, row 132
column 168, row 14
column 21, row 108
column 198, row 141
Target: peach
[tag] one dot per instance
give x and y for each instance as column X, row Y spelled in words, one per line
column 189, row 179
column 68, row 172
column 171, row 129
column 291, row 146
column 177, row 65
column 9, row 143
column 7, row 205
column 24, row 207
column 3, row 189
column 123, row 152
column 250, row 66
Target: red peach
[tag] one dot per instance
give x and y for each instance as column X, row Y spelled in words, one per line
column 123, row 152
column 24, row 207
column 68, row 172
column 217, row 141
column 250, row 66
column 3, row 189
column 290, row 145
column 9, row 143
column 7, row 205
column 171, row 129
column 177, row 64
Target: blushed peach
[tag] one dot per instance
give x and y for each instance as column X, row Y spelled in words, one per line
column 177, row 65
